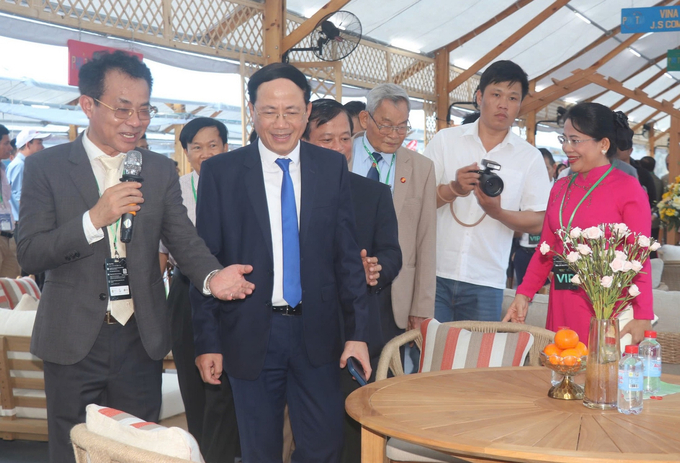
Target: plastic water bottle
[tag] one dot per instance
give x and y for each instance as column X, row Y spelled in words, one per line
column 650, row 354
column 629, row 398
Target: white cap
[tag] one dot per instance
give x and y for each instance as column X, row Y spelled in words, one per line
column 27, row 135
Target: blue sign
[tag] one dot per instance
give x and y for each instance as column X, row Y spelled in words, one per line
column 652, row 19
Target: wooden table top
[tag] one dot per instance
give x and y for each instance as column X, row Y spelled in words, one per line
column 505, row 414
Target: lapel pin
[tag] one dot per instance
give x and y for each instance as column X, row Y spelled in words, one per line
column 403, row 180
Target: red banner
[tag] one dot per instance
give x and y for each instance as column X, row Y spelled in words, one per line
column 80, row 53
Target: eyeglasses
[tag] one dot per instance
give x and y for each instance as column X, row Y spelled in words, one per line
column 144, row 114
column 388, row 129
column 573, row 143
column 289, row 116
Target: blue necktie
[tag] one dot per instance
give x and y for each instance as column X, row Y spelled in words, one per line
column 292, row 288
column 373, row 173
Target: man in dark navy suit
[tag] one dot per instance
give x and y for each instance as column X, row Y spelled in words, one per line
column 330, row 126
column 280, row 206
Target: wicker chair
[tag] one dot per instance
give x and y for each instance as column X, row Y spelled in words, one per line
column 390, row 358
column 93, row 448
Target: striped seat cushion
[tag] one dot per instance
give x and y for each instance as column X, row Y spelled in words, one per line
column 13, row 289
column 448, row 348
column 128, row 429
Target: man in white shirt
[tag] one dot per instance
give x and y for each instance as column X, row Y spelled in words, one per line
column 9, row 267
column 474, row 232
column 29, row 141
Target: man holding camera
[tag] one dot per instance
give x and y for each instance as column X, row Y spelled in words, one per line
column 474, row 232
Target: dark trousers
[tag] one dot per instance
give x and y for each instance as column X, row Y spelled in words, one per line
column 117, row 373
column 312, row 393
column 211, row 417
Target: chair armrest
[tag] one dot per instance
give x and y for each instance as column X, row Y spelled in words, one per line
column 390, row 357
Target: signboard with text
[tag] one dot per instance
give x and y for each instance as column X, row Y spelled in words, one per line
column 673, row 58
column 652, row 19
column 80, row 53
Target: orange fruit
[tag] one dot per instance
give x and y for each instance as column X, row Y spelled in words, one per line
column 552, row 349
column 555, row 359
column 570, row 360
column 566, row 339
column 583, row 350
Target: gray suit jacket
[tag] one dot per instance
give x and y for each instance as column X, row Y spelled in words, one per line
column 59, row 187
column 415, row 203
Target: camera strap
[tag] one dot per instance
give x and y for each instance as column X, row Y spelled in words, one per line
column 462, row 223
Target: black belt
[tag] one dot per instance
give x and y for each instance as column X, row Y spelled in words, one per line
column 6, row 234
column 288, row 310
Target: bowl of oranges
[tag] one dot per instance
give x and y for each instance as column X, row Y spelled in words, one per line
column 566, row 356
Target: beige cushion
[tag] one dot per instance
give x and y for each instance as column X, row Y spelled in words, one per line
column 16, row 323
column 27, row 303
column 399, row 450
column 669, row 253
column 127, row 429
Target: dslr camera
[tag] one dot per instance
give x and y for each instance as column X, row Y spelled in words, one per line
column 490, row 183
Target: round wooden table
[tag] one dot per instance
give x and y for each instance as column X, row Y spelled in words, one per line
column 504, row 414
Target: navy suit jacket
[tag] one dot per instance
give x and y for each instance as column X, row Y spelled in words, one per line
column 377, row 232
column 233, row 219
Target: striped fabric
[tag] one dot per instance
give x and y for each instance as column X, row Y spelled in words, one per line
column 128, row 429
column 448, row 348
column 13, row 289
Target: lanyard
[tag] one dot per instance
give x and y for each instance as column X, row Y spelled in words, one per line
column 193, row 188
column 573, row 177
column 113, row 234
column 375, row 163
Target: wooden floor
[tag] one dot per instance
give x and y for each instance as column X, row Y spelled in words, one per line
column 19, row 451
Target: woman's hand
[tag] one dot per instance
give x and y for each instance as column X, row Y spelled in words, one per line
column 517, row 311
column 636, row 328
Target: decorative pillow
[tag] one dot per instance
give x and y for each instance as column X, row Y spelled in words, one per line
column 130, row 430
column 13, row 323
column 657, row 271
column 15, row 288
column 448, row 348
column 669, row 253
column 27, row 303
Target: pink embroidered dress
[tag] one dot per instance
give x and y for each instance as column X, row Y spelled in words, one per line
column 619, row 198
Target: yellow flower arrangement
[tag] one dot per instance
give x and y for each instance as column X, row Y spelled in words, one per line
column 669, row 206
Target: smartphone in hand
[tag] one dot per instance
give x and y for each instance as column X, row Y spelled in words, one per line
column 355, row 369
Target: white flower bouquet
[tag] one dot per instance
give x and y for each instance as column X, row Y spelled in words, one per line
column 605, row 259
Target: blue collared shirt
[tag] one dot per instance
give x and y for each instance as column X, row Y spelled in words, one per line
column 15, row 175
column 362, row 162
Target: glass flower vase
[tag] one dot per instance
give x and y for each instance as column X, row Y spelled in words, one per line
column 603, row 364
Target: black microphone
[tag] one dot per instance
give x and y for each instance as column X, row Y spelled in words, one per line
column 132, row 167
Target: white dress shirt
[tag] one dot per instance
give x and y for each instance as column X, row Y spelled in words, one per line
column 273, row 178
column 479, row 255
column 362, row 163
column 188, row 184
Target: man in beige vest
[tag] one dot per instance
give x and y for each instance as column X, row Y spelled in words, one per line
column 378, row 153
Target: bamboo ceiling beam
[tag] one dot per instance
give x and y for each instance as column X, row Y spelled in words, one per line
column 490, row 23
column 410, row 71
column 659, row 135
column 215, row 114
column 641, row 87
column 616, row 86
column 198, row 110
column 594, row 97
column 241, row 15
column 304, row 29
column 505, row 44
column 606, row 36
column 655, row 113
column 562, row 88
column 274, row 29
column 667, row 89
column 603, row 38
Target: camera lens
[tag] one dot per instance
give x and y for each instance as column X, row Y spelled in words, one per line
column 491, row 184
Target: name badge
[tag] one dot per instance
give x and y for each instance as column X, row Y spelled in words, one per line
column 534, row 240
column 117, row 279
column 562, row 275
column 5, row 222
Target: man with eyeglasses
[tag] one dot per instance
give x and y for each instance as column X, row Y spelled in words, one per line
column 282, row 207
column 474, row 232
column 103, row 326
column 378, row 154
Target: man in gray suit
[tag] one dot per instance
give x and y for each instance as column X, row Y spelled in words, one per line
column 103, row 341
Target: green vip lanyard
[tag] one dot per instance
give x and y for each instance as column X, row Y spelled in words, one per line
column 193, row 188
column 375, row 163
column 112, row 232
column 573, row 177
